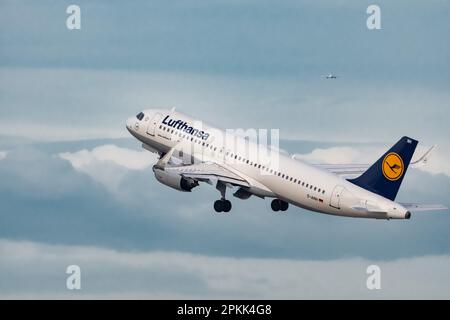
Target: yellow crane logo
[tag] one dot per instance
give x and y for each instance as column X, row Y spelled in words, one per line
column 392, row 166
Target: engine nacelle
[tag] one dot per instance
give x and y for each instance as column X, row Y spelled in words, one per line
column 174, row 180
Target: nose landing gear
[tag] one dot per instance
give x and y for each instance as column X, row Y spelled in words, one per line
column 279, row 205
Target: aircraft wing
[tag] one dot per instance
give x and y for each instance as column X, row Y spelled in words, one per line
column 357, row 169
column 208, row 172
column 423, row 207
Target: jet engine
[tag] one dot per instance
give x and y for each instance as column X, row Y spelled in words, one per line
column 174, row 180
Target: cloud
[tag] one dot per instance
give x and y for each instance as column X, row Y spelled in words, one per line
column 437, row 162
column 108, row 164
column 63, row 86
column 130, row 159
column 97, row 103
column 128, row 209
column 3, row 154
column 34, row 270
column 335, row 155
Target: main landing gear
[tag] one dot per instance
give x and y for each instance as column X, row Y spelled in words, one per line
column 279, row 205
column 222, row 205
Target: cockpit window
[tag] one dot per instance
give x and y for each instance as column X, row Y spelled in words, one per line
column 140, row 116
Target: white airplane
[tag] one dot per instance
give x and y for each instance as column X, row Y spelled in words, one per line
column 330, row 76
column 192, row 152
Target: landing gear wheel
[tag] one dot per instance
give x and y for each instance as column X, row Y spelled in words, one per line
column 275, row 205
column 218, row 206
column 222, row 205
column 279, row 205
column 226, row 205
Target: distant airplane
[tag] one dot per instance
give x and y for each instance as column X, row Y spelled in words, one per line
column 192, row 152
column 330, row 76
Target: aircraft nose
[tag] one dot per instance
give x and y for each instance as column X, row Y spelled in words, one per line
column 129, row 123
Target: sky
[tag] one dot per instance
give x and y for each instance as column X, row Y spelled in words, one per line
column 75, row 188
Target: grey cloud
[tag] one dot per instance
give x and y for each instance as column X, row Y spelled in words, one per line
column 37, row 271
column 45, row 199
column 97, row 103
column 233, row 64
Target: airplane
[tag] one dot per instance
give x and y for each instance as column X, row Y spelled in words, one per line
column 330, row 76
column 191, row 152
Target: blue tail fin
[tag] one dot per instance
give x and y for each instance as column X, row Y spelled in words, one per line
column 385, row 176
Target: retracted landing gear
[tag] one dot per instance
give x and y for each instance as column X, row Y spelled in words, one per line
column 222, row 205
column 279, row 205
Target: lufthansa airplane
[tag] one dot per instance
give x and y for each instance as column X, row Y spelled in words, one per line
column 192, row 152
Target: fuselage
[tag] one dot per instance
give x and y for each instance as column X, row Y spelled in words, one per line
column 270, row 173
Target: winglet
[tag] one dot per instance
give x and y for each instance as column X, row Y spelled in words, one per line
column 424, row 158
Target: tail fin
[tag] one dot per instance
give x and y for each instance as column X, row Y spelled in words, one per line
column 385, row 176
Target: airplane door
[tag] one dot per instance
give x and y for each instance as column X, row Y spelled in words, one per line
column 336, row 197
column 153, row 123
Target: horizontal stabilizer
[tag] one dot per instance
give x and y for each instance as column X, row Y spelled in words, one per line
column 423, row 207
